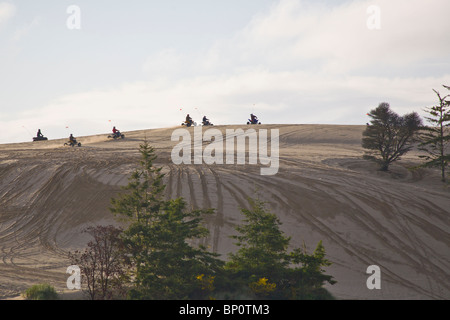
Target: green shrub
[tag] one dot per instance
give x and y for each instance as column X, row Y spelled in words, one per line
column 41, row 292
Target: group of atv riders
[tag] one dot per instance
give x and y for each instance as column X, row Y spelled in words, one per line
column 189, row 122
column 73, row 141
column 116, row 133
column 205, row 121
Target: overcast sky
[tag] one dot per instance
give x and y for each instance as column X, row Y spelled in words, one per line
column 146, row 64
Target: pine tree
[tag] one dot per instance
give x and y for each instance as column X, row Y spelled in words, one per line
column 263, row 262
column 160, row 235
column 435, row 138
column 389, row 136
column 145, row 190
column 171, row 264
column 262, row 244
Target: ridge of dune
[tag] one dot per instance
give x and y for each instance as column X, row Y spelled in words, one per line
column 323, row 190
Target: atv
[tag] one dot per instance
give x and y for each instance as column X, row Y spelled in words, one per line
column 73, row 144
column 255, row 121
column 189, row 123
column 40, row 139
column 207, row 123
column 116, row 136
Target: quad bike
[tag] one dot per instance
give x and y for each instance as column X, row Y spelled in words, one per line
column 189, row 123
column 40, row 139
column 207, row 123
column 255, row 121
column 116, row 136
column 73, row 144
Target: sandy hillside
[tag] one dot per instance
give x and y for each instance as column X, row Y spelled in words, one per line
column 399, row 221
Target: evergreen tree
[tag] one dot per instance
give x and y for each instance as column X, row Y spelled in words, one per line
column 171, row 264
column 262, row 244
column 436, row 138
column 145, row 194
column 160, row 236
column 389, row 136
column 263, row 262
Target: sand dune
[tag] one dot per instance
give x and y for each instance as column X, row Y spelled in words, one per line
column 323, row 190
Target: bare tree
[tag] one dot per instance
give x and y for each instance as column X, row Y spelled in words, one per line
column 102, row 263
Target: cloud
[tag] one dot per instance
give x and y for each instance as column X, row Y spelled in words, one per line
column 324, row 38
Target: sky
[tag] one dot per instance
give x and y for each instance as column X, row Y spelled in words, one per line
column 146, row 64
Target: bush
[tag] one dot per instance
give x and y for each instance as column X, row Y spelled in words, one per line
column 41, row 292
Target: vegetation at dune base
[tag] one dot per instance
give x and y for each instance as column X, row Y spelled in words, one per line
column 389, row 136
column 41, row 292
column 158, row 256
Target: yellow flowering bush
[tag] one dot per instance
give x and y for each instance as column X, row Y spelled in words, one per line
column 262, row 287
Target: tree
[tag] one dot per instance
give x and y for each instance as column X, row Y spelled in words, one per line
column 389, row 136
column 264, row 264
column 436, row 138
column 170, row 264
column 160, row 236
column 103, row 264
column 136, row 207
column 145, row 190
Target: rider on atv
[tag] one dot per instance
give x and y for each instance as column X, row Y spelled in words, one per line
column 205, row 121
column 72, row 140
column 39, row 136
column 116, row 133
column 254, row 119
column 189, row 120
